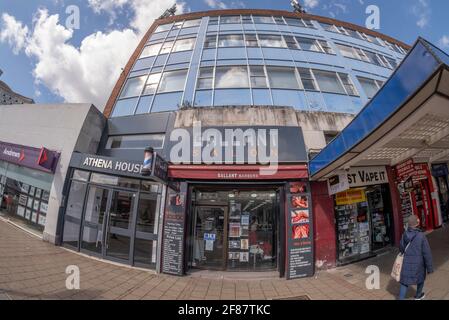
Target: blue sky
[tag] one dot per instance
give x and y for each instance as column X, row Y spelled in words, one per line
column 44, row 59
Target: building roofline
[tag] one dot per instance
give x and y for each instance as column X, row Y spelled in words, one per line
column 195, row 15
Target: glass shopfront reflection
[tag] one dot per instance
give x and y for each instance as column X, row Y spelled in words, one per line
column 235, row 230
column 113, row 217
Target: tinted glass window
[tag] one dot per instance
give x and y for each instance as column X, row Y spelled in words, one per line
column 231, row 77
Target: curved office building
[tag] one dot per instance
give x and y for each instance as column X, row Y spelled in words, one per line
column 290, row 80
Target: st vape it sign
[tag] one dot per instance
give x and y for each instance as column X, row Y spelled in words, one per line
column 357, row 177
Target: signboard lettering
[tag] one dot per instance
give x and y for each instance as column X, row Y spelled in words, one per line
column 357, row 177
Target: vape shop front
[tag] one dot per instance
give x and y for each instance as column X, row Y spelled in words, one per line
column 232, row 218
column 363, row 212
column 26, row 177
column 418, row 194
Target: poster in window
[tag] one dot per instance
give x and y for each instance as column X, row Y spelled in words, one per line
column 21, row 211
column 30, row 202
column 234, row 255
column 234, row 230
column 42, row 219
column 301, row 231
column 44, row 207
column 23, row 199
column 300, row 216
column 27, row 214
column 38, row 193
column 244, row 256
column 298, row 187
column 24, row 188
column 300, row 202
column 245, row 219
column 244, row 244
column 34, row 217
column 36, row 205
column 32, row 190
column 45, row 195
column 234, row 244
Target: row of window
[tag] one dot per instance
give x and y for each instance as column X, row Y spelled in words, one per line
column 367, row 56
column 168, row 46
column 178, row 25
column 168, row 81
column 267, row 40
column 249, row 19
column 276, row 78
column 370, row 86
column 362, row 36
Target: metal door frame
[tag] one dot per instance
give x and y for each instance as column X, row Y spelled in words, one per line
column 225, row 234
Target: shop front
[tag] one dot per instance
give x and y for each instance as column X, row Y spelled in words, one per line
column 239, row 224
column 417, row 193
column 113, row 211
column 26, row 177
column 363, row 212
column 440, row 173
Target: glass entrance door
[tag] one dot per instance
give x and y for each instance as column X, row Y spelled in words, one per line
column 108, row 221
column 209, row 251
column 119, row 224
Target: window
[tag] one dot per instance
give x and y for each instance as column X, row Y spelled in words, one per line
column 247, row 19
column 291, row 43
column 325, row 47
column 308, row 44
column 205, row 78
column 392, row 62
column 329, row 27
column 261, row 19
column 328, row 81
column 308, row 23
column 133, row 87
column 251, row 40
column 329, row 136
column 279, row 20
column 151, row 50
column 163, row 27
column 347, row 51
column 354, row 34
column 307, row 79
column 184, row 44
column 136, row 141
column 266, row 40
column 210, row 42
column 192, row 23
column 173, row 81
column 282, row 78
column 373, row 58
column 230, row 19
column 231, row 77
column 231, row 40
column 258, row 78
column 361, row 55
column 152, row 82
column 213, row 21
column 347, row 83
column 370, row 86
column 295, row 22
column 177, row 25
column 166, row 48
column 342, row 30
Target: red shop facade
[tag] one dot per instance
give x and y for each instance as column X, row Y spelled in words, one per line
column 236, row 218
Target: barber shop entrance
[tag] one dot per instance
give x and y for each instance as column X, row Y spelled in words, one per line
column 234, row 229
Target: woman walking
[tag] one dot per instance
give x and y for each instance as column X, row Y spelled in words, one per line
column 417, row 259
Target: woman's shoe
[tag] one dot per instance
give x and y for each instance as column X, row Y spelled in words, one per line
column 421, row 297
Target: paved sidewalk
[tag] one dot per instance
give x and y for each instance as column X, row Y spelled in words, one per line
column 33, row 269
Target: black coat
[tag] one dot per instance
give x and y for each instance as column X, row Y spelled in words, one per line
column 417, row 259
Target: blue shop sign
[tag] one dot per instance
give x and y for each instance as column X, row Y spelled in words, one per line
column 439, row 170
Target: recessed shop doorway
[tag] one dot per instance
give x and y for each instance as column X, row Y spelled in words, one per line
column 234, row 229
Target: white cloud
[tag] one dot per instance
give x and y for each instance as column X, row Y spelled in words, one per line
column 311, row 3
column 422, row 12
column 216, row 4
column 444, row 41
column 86, row 73
column 13, row 32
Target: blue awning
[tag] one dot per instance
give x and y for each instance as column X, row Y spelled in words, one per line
column 423, row 62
